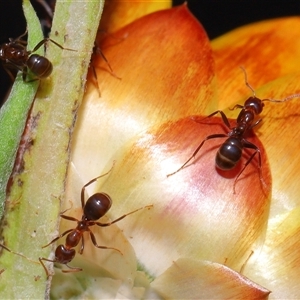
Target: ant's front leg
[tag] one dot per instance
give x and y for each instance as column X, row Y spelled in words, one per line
column 224, row 118
column 58, row 237
column 122, row 217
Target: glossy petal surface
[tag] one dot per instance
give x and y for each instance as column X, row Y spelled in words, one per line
column 158, row 84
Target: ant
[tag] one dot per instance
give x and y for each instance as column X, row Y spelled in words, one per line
column 14, row 55
column 230, row 152
column 94, row 208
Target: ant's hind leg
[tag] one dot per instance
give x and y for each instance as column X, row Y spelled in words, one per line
column 213, row 136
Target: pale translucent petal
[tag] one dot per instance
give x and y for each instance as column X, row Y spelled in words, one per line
column 277, row 266
column 190, row 279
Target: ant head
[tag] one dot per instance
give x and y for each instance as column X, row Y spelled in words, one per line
column 97, row 206
column 255, row 104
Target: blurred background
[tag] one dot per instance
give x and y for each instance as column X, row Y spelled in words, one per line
column 217, row 17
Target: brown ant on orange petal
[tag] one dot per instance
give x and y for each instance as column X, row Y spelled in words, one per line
column 14, row 55
column 94, row 208
column 230, row 152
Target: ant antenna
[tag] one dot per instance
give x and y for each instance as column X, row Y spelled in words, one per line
column 246, row 81
column 284, row 99
column 270, row 100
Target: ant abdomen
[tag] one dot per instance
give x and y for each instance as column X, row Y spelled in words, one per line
column 97, row 206
column 229, row 154
column 39, row 66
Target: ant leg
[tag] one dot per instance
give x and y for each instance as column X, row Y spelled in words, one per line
column 213, row 136
column 9, row 72
column 90, row 182
column 224, row 118
column 42, row 42
column 122, row 217
column 82, row 245
column 237, row 106
column 99, row 52
column 19, row 38
column 24, row 75
column 96, row 78
column 93, row 238
column 249, row 145
column 256, row 123
column 72, row 269
column 58, row 237
column 46, row 270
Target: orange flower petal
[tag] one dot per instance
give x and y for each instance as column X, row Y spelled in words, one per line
column 266, row 49
column 195, row 212
column 159, row 83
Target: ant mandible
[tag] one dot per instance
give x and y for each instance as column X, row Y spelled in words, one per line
column 95, row 207
column 14, row 55
column 230, row 152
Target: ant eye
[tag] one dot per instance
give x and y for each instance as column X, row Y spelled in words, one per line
column 97, row 206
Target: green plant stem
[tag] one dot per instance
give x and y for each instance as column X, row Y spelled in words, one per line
column 33, row 206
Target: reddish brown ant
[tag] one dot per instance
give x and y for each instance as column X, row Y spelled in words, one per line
column 14, row 55
column 230, row 152
column 94, row 208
